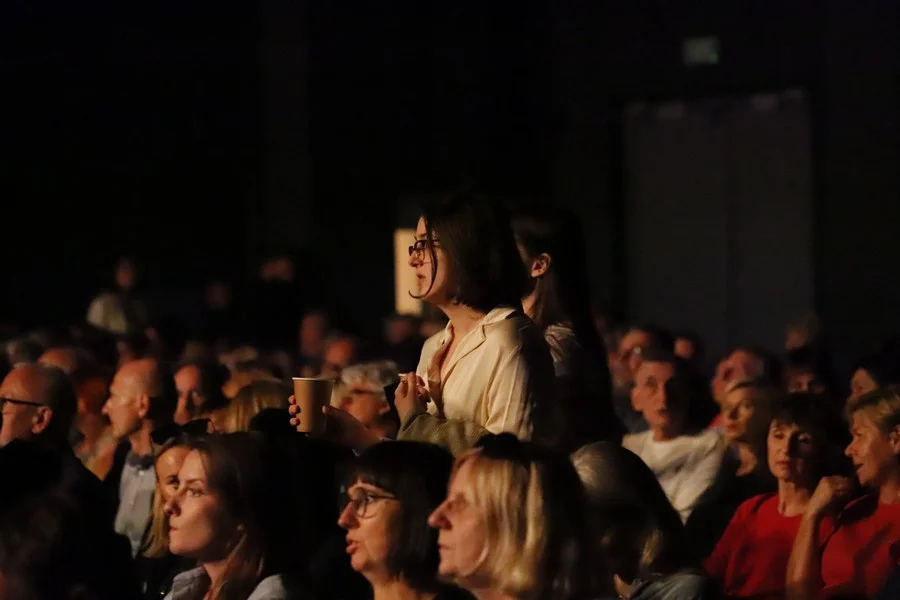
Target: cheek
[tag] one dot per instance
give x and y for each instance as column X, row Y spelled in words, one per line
column 375, row 533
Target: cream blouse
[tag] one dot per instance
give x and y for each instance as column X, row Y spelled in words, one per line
column 496, row 376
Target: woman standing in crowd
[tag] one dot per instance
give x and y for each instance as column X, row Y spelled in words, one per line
column 559, row 302
column 392, row 490
column 233, row 513
column 750, row 560
column 849, row 549
column 744, row 473
column 512, row 526
column 490, row 369
column 638, row 537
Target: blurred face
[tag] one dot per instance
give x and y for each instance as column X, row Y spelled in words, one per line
column 649, row 397
column 436, row 289
column 861, row 383
column 338, row 355
column 368, row 517
column 399, row 330
column 873, row 452
column 123, row 407
column 167, row 466
column 631, row 349
column 740, row 415
column 187, row 382
column 198, row 525
column 20, row 420
column 737, row 366
column 792, row 454
column 684, row 348
column 805, row 381
column 312, row 334
column 364, row 404
column 126, row 275
column 460, row 524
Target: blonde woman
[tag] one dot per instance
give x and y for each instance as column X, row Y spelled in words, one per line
column 512, row 525
column 155, row 564
column 848, row 549
column 251, row 400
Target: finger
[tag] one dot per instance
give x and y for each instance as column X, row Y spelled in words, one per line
column 295, row 422
column 292, row 400
column 293, row 409
column 422, row 391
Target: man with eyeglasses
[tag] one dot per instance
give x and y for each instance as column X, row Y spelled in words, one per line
column 37, row 403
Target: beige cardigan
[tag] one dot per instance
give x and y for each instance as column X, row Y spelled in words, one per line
column 497, row 375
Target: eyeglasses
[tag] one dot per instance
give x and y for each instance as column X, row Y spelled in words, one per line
column 361, row 500
column 419, row 246
column 4, row 401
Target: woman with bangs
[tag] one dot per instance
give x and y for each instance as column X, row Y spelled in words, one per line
column 393, row 487
column 512, row 526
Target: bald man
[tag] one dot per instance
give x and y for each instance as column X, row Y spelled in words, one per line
column 37, row 403
column 142, row 397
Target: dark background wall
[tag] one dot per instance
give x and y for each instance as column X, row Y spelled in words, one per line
column 302, row 125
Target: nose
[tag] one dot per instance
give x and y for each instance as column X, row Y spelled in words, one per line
column 172, row 507
column 438, row 518
column 347, row 519
column 105, row 409
column 415, row 259
column 849, row 450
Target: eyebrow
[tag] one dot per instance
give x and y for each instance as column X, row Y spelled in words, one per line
column 194, row 480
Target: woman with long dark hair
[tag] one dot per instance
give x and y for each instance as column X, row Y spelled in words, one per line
column 489, row 370
column 558, row 300
column 233, row 513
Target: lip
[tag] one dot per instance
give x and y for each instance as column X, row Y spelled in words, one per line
column 352, row 545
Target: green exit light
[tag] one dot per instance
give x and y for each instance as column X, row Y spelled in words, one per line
column 701, row 51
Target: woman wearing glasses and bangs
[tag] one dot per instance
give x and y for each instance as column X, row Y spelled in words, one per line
column 392, row 490
column 490, row 369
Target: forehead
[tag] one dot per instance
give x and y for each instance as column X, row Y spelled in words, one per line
column 172, row 459
column 187, row 374
column 787, row 427
column 655, row 369
column 634, row 338
column 20, row 384
column 193, row 466
column 421, row 230
column 740, row 395
column 861, row 420
column 359, row 484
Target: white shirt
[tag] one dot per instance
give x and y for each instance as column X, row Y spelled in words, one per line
column 496, row 374
column 685, row 466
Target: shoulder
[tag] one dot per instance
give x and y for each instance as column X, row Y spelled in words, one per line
column 634, row 441
column 272, row 588
column 687, row 585
column 708, row 441
column 753, row 505
column 515, row 333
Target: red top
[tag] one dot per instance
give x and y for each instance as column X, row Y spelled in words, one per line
column 751, row 558
column 859, row 551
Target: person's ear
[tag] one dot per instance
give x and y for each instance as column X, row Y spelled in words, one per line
column 41, row 420
column 894, row 438
column 143, row 406
column 540, row 265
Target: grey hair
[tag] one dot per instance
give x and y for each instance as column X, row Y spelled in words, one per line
column 375, row 375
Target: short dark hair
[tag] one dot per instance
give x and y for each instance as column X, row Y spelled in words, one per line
column 818, row 415
column 478, row 244
column 812, row 360
column 417, row 474
column 660, row 338
column 687, row 387
column 213, row 376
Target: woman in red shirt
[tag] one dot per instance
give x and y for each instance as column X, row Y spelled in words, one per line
column 852, row 554
column 750, row 559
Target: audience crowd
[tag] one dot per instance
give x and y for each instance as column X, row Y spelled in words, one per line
column 514, row 445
